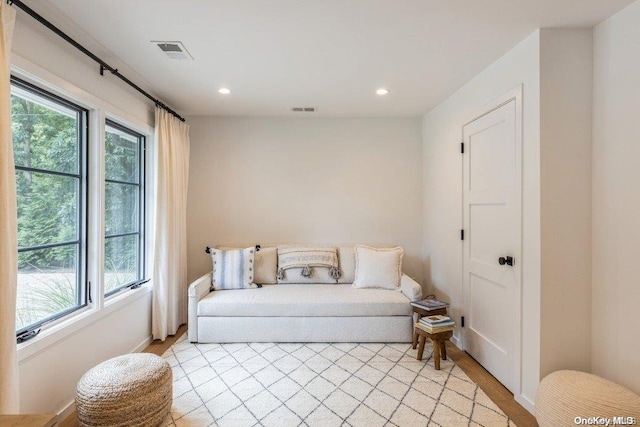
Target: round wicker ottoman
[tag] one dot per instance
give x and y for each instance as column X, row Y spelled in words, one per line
column 130, row 390
column 566, row 398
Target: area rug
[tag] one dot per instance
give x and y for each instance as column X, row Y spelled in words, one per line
column 269, row 384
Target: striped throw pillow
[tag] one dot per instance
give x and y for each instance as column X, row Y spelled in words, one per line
column 233, row 269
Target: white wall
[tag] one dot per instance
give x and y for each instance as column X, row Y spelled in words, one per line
column 299, row 180
column 565, row 199
column 555, row 69
column 39, row 45
column 48, row 378
column 51, row 364
column 616, row 198
column 442, row 163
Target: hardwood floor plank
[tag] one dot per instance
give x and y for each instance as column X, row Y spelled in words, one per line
column 158, row 347
column 492, row 387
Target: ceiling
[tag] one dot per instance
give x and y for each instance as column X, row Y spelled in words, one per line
column 329, row 54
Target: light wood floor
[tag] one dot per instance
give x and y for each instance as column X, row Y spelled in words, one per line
column 496, row 391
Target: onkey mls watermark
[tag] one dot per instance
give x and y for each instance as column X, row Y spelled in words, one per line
column 605, row 421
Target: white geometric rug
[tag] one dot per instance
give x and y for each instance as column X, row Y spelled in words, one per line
column 268, row 384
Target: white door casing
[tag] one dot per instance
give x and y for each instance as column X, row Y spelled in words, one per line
column 492, row 216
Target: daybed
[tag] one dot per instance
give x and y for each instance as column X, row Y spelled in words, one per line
column 291, row 308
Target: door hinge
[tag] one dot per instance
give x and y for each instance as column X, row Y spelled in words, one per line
column 462, row 147
column 462, row 321
column 461, row 234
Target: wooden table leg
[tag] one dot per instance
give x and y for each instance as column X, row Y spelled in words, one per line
column 415, row 334
column 443, row 350
column 436, row 354
column 421, row 339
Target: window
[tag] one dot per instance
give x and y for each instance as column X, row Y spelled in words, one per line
column 50, row 147
column 56, row 207
column 124, row 208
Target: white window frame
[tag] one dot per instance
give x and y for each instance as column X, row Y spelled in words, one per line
column 142, row 271
column 98, row 112
column 43, row 97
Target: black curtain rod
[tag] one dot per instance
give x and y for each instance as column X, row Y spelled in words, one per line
column 103, row 65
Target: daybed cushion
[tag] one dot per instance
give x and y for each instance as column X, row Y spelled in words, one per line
column 347, row 264
column 266, row 260
column 305, row 300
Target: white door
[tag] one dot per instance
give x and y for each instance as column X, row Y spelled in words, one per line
column 492, row 176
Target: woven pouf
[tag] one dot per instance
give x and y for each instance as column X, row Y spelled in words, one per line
column 130, row 390
column 566, row 398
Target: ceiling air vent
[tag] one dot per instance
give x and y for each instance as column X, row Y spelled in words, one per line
column 304, row 109
column 174, row 50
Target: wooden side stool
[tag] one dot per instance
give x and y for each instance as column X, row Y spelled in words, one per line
column 438, row 339
column 421, row 312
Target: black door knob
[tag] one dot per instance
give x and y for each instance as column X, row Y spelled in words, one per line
column 508, row 260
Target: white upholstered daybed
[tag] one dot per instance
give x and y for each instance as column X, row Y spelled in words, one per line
column 318, row 310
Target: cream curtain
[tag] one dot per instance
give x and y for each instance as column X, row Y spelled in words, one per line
column 8, row 227
column 170, row 254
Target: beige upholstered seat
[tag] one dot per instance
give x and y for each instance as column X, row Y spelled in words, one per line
column 565, row 395
column 130, row 390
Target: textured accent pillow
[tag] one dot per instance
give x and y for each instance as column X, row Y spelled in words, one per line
column 319, row 275
column 294, row 257
column 300, row 264
column 233, row 269
column 378, row 267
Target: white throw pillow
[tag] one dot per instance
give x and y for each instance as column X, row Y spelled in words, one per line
column 233, row 269
column 378, row 267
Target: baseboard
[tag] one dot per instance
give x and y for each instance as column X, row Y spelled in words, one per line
column 70, row 408
column 526, row 403
column 144, row 344
column 455, row 341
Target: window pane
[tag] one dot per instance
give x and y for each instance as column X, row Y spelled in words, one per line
column 49, row 137
column 47, row 283
column 47, row 208
column 45, row 134
column 121, row 261
column 121, row 202
column 124, row 214
column 122, row 156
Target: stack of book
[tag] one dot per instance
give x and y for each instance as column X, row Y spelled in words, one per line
column 436, row 323
column 430, row 304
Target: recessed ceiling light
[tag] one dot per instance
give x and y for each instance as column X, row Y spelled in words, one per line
column 382, row 91
column 224, row 91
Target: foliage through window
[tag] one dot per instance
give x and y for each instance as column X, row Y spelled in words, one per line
column 49, row 143
column 124, row 208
